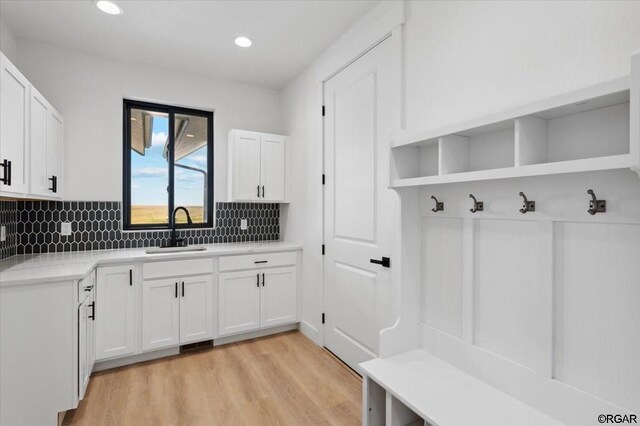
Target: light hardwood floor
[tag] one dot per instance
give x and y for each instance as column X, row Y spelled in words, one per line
column 283, row 379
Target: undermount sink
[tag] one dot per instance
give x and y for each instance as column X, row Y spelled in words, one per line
column 156, row 250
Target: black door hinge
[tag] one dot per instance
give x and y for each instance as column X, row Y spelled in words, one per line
column 323, row 179
column 323, row 110
column 323, row 249
column 323, row 317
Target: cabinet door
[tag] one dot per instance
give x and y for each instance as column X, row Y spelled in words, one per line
column 14, row 127
column 38, row 117
column 115, row 315
column 91, row 334
column 279, row 298
column 238, row 302
column 82, row 349
column 272, row 170
column 245, row 166
column 196, row 308
column 54, row 151
column 160, row 314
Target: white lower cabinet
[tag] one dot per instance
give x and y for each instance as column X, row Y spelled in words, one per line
column 160, row 314
column 115, row 312
column 176, row 311
column 278, row 298
column 238, row 302
column 257, row 298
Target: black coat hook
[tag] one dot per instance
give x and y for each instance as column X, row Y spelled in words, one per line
column 439, row 205
column 527, row 206
column 478, row 206
column 595, row 205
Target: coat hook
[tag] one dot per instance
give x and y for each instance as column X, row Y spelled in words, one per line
column 478, row 206
column 527, row 206
column 595, row 205
column 439, row 205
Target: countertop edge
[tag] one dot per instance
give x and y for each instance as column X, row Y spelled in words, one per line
column 88, row 265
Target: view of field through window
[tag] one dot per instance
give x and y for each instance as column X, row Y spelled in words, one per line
column 150, row 167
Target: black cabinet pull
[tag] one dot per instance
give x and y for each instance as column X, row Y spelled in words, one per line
column 258, row 191
column 262, row 191
column 54, row 184
column 385, row 261
column 176, row 287
column 258, row 280
column 263, row 279
column 93, row 311
column 130, row 277
column 6, row 176
column 182, row 288
column 261, row 261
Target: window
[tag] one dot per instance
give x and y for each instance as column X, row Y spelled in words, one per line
column 168, row 163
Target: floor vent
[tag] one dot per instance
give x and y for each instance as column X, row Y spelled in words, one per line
column 207, row 344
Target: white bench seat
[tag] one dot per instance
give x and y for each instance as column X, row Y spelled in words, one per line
column 446, row 396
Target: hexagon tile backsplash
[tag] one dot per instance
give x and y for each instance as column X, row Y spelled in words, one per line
column 96, row 225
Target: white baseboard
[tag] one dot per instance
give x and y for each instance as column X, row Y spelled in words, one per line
column 254, row 334
column 148, row 356
column 311, row 332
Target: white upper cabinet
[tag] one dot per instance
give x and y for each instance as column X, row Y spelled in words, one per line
column 45, row 147
column 14, row 129
column 272, row 167
column 257, row 164
column 31, row 138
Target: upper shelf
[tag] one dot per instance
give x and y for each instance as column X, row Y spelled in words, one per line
column 585, row 130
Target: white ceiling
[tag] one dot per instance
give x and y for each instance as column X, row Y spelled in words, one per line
column 194, row 36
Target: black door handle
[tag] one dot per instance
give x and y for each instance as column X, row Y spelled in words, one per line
column 262, row 191
column 263, row 279
column 258, row 280
column 93, row 311
column 386, row 262
column 182, row 288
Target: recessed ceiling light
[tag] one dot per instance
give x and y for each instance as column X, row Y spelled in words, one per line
column 189, row 135
column 243, row 41
column 109, row 7
column 134, row 119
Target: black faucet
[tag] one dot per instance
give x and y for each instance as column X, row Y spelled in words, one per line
column 174, row 240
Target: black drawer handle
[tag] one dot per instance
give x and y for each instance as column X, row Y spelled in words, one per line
column 261, row 261
column 54, row 184
column 6, row 178
column 385, row 261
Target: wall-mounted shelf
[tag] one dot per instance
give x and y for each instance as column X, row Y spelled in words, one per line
column 586, row 130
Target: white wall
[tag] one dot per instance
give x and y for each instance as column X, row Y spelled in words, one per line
column 462, row 60
column 466, row 59
column 8, row 44
column 88, row 91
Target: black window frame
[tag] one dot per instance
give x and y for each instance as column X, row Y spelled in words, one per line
column 171, row 111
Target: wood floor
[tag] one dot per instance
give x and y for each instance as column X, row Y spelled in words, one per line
column 283, row 379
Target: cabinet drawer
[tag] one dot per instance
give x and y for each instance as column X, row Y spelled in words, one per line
column 175, row 268
column 260, row 260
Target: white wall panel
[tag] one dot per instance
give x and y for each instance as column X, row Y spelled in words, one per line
column 442, row 274
column 597, row 310
column 510, row 277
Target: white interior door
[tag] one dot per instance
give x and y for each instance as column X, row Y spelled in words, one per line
column 279, row 298
column 272, row 170
column 160, row 313
column 246, row 166
column 357, row 205
column 196, row 309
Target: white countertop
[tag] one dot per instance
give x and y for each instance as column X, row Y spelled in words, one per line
column 52, row 267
